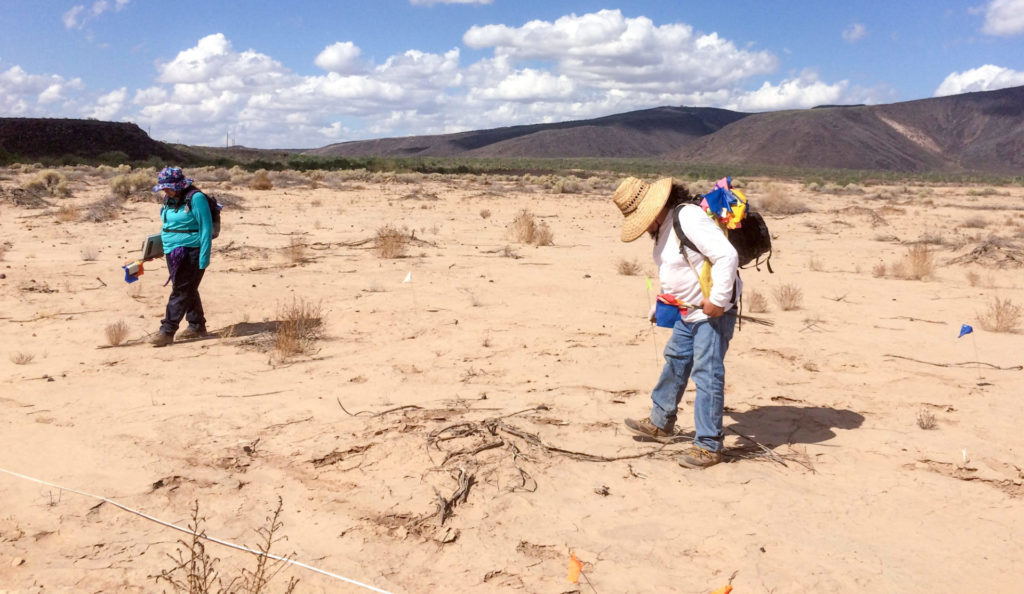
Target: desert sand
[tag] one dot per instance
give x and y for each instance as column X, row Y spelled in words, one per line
column 512, row 367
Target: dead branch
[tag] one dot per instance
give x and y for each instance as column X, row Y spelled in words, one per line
column 962, row 364
column 379, row 414
column 768, row 451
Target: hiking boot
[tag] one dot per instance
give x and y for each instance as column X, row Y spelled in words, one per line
column 697, row 457
column 161, row 339
column 192, row 332
column 645, row 428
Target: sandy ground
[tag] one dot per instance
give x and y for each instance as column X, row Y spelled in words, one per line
column 501, row 365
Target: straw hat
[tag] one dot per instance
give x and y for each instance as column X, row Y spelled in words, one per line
column 640, row 202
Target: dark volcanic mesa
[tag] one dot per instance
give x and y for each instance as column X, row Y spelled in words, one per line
column 44, row 137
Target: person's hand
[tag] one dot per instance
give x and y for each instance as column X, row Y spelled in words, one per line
column 711, row 310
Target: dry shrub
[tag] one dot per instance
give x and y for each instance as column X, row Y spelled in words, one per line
column 756, row 302
column 526, row 229
column 975, row 222
column 775, row 200
column 925, row 419
column 299, row 325
column 973, row 278
column 68, row 213
column 485, row 213
column 261, row 180
column 132, row 183
column 566, row 185
column 543, row 235
column 1002, row 315
column 296, row 252
column 391, row 242
column 211, row 174
column 196, row 572
column 116, row 332
column 629, row 267
column 22, row 358
column 879, row 270
column 89, row 253
column 106, row 209
column 789, row 297
column 932, row 238
column 814, row 263
column 917, row 264
column 49, row 181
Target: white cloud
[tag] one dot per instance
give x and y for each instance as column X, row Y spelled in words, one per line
column 24, row 94
column 855, row 32
column 1004, row 18
column 607, row 50
column 213, row 61
column 110, row 106
column 432, row 2
column 529, row 85
column 798, row 93
column 76, row 17
column 983, row 78
column 575, row 67
column 342, row 58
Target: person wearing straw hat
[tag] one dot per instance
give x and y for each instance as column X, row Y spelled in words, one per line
column 701, row 337
column 187, row 235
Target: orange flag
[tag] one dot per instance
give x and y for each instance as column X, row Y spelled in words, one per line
column 723, row 590
column 575, row 567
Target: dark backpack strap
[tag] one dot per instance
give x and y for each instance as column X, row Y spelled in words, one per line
column 684, row 241
column 187, row 198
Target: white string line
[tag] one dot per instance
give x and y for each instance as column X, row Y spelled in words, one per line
column 203, row 536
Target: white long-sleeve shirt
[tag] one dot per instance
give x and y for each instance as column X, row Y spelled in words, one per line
column 678, row 278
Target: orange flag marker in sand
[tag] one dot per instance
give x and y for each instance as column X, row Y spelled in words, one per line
column 723, row 590
column 575, row 568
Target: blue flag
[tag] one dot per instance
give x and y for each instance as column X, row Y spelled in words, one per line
column 965, row 329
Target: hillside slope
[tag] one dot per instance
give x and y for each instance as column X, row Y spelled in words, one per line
column 644, row 133
column 974, row 131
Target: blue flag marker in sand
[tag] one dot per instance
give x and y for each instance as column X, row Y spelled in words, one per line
column 965, row 329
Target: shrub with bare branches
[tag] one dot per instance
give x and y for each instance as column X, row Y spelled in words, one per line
column 789, row 297
column 261, row 180
column 1002, row 315
column 629, row 267
column 299, row 325
column 391, row 242
column 917, row 264
column 755, row 301
column 526, row 229
column 116, row 332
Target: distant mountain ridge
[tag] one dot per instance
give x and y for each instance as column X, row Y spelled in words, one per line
column 972, row 132
column 981, row 131
column 644, row 133
column 52, row 137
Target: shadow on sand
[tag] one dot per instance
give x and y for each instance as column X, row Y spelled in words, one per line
column 777, row 425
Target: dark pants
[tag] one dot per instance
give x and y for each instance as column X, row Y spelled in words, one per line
column 184, row 301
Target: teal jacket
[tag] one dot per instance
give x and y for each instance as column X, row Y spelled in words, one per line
column 196, row 224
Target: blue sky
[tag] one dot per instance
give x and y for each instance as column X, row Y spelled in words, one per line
column 310, row 73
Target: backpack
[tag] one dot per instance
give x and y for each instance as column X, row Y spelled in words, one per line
column 186, row 201
column 750, row 237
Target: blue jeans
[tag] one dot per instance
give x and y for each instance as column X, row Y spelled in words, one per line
column 695, row 350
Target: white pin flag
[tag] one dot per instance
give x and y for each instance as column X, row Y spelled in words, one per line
column 408, row 277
